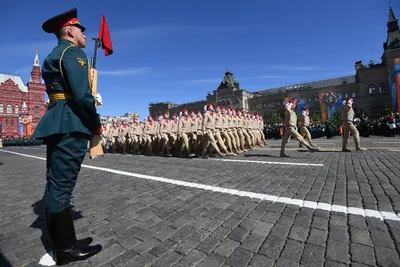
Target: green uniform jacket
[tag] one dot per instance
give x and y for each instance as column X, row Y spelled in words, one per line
column 67, row 116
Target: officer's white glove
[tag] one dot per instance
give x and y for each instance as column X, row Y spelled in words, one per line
column 99, row 99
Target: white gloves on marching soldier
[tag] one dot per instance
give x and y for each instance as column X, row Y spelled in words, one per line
column 99, row 100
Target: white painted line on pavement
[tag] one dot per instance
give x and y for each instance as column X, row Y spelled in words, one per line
column 270, row 162
column 382, row 215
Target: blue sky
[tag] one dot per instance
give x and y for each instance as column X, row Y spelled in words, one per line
column 179, row 50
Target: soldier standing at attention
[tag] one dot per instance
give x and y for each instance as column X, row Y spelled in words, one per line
column 290, row 130
column 65, row 128
column 348, row 126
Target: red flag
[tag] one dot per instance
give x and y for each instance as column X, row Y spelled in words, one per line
column 104, row 36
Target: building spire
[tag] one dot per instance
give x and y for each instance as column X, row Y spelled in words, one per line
column 36, row 60
column 35, row 73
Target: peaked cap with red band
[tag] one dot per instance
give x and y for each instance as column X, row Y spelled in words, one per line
column 68, row 18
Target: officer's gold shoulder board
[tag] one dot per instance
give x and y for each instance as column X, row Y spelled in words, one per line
column 82, row 62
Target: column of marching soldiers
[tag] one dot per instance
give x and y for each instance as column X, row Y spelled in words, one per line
column 225, row 131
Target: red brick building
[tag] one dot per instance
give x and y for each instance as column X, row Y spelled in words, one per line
column 21, row 107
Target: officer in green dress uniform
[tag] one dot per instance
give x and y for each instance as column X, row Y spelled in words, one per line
column 65, row 128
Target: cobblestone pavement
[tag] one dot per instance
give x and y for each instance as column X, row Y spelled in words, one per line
column 142, row 219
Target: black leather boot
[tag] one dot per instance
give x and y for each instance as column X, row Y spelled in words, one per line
column 62, row 235
column 84, row 241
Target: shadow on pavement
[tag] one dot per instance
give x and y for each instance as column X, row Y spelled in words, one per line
column 38, row 209
column 3, row 261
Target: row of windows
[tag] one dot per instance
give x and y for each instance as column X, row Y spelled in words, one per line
column 9, row 109
column 372, row 90
column 9, row 123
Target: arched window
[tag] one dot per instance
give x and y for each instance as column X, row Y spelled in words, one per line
column 9, row 109
column 12, row 122
column 372, row 89
column 16, row 109
column 36, row 110
column 382, row 89
column 6, row 121
column 1, row 108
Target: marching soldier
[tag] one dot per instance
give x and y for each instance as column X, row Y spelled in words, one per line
column 173, row 134
column 65, row 128
column 200, row 136
column 240, row 131
column 304, row 124
column 104, row 136
column 208, row 129
column 235, row 131
column 348, row 126
column 193, row 132
column 224, row 130
column 165, row 129
column 290, row 130
column 114, row 131
column 134, row 133
column 231, row 130
column 245, row 127
column 150, row 132
column 218, row 131
column 122, row 133
column 184, row 128
column 159, row 140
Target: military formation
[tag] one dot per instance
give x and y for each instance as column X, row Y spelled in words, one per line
column 220, row 131
column 213, row 132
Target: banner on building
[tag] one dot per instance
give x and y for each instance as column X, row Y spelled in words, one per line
column 330, row 103
column 395, row 84
column 21, row 129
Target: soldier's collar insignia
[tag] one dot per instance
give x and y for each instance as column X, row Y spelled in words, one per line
column 82, row 62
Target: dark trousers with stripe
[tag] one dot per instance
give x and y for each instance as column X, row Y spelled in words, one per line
column 65, row 154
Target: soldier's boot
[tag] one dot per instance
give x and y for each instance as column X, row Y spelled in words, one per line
column 84, row 241
column 345, row 149
column 358, row 145
column 168, row 152
column 283, row 155
column 66, row 248
column 312, row 148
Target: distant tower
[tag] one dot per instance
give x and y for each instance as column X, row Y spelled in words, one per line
column 35, row 96
column 35, row 73
column 392, row 44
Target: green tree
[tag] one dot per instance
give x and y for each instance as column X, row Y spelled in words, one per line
column 298, row 115
column 316, row 117
column 275, row 119
column 336, row 118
